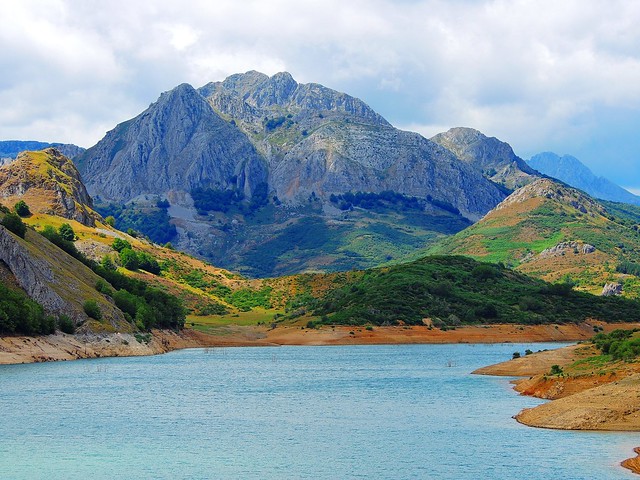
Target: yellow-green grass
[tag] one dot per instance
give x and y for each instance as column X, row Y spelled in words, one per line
column 210, row 323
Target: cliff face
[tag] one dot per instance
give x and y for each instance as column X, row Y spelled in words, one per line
column 488, row 155
column 49, row 183
column 319, row 141
column 52, row 278
column 178, row 143
column 573, row 172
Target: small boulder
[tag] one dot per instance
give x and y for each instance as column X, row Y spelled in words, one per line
column 612, row 289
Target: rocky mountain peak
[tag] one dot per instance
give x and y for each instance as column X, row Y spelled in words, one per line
column 549, row 189
column 252, row 96
column 49, row 183
column 178, row 143
column 494, row 158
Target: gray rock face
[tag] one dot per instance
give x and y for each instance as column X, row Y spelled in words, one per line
column 495, row 159
column 178, row 143
column 52, row 278
column 33, row 275
column 356, row 157
column 565, row 248
column 610, row 289
column 573, row 172
column 319, row 141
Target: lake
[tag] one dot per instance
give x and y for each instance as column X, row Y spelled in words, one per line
column 374, row 412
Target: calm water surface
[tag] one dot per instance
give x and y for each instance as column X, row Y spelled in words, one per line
column 369, row 412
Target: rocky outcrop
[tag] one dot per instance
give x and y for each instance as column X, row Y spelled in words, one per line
column 545, row 188
column 49, row 183
column 53, row 279
column 495, row 159
column 610, row 289
column 34, row 275
column 320, row 142
column 565, row 248
column 573, row 172
column 178, row 143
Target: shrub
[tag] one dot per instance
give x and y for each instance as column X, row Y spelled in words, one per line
column 556, row 370
column 148, row 263
column 14, row 223
column 119, row 244
column 92, row 309
column 110, row 220
column 515, row 355
column 66, row 325
column 66, row 232
column 129, row 259
column 22, row 209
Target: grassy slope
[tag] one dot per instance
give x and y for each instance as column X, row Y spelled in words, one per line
column 453, row 290
column 517, row 233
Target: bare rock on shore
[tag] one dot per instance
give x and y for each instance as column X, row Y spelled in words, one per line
column 614, row 406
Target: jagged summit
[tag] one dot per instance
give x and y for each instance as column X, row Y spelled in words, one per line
column 49, row 183
column 250, row 96
column 178, row 143
column 494, row 158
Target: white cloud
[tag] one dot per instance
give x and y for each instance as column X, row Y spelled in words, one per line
column 536, row 74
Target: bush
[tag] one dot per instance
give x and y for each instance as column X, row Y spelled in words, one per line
column 556, row 370
column 22, row 209
column 14, row 223
column 92, row 309
column 119, row 244
column 66, row 232
column 110, row 220
column 129, row 259
column 66, row 325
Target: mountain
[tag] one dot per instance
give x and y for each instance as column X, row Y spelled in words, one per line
column 50, row 183
column 557, row 233
column 9, row 149
column 493, row 158
column 178, row 143
column 255, row 167
column 573, row 172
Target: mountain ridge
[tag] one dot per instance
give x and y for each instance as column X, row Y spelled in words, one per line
column 573, row 172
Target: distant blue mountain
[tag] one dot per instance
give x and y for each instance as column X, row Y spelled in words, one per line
column 11, row 148
column 573, row 172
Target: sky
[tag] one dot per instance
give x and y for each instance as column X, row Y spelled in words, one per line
column 559, row 75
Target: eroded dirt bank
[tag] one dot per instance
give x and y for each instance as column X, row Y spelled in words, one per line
column 587, row 395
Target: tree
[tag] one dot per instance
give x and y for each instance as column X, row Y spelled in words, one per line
column 22, row 209
column 119, row 244
column 129, row 259
column 92, row 309
column 66, row 232
column 14, row 223
column 110, row 220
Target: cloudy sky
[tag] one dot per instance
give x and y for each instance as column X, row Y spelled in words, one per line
column 560, row 76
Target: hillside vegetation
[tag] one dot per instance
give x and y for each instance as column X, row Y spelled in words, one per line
column 554, row 232
column 450, row 291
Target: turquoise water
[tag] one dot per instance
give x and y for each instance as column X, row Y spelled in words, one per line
column 371, row 412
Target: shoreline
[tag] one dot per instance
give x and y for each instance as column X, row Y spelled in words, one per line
column 60, row 346
column 63, row 347
column 592, row 399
